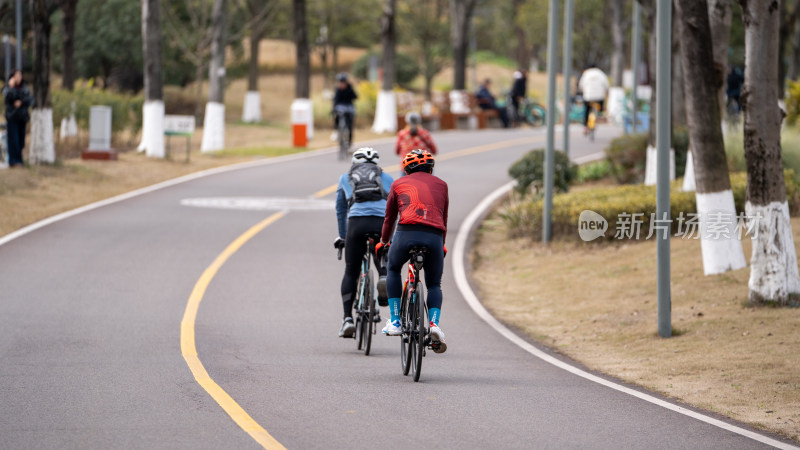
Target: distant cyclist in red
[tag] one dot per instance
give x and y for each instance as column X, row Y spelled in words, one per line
column 413, row 136
column 421, row 201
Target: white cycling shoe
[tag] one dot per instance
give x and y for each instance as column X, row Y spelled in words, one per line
column 392, row 328
column 437, row 339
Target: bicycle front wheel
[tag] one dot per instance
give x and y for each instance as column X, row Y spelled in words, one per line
column 420, row 331
column 344, row 139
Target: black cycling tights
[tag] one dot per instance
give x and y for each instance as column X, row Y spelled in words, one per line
column 355, row 245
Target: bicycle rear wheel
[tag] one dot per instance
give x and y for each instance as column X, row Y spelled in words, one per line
column 359, row 306
column 405, row 341
column 369, row 307
column 419, row 331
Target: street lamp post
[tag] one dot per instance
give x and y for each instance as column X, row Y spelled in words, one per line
column 663, row 131
column 568, row 19
column 552, row 57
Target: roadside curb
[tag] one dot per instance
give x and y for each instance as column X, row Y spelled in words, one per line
column 459, row 270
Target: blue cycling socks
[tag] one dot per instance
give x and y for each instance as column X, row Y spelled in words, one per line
column 394, row 309
column 434, row 314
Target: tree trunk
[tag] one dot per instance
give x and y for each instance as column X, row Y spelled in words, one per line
column 388, row 42
column 773, row 275
column 214, row 120
column 386, row 109
column 794, row 62
column 68, row 8
column 522, row 53
column 678, row 92
column 618, row 39
column 303, row 70
column 786, row 26
column 713, row 186
column 460, row 15
column 216, row 69
column 256, row 35
column 153, row 109
column 42, row 149
column 719, row 18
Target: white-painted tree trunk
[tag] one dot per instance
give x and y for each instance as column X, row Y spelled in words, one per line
column 213, row 128
column 720, row 245
column 252, row 107
column 42, row 149
column 688, row 174
column 153, row 129
column 651, row 167
column 385, row 113
column 773, row 272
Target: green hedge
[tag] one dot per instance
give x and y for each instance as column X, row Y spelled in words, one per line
column 523, row 218
column 529, row 172
column 126, row 109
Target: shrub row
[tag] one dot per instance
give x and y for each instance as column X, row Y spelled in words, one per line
column 523, row 217
column 126, row 109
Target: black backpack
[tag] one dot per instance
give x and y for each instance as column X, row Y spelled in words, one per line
column 366, row 183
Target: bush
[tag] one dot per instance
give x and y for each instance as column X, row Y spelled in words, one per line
column 593, row 171
column 627, row 156
column 406, row 67
column 529, row 172
column 793, row 104
column 523, row 217
column 126, row 110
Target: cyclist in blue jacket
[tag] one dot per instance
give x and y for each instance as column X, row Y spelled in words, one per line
column 360, row 206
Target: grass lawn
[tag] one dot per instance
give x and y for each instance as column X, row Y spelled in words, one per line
column 597, row 304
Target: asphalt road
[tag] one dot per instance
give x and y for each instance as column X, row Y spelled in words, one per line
column 90, row 330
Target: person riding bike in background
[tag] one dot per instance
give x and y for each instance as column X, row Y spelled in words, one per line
column 519, row 91
column 413, row 136
column 594, row 88
column 360, row 205
column 343, row 100
column 421, row 201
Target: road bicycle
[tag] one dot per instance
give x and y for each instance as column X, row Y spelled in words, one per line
column 343, row 117
column 413, row 316
column 529, row 112
column 365, row 309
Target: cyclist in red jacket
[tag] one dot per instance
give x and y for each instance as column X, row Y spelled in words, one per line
column 421, row 201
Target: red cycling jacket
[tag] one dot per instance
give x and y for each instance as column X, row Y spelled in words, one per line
column 406, row 142
column 419, row 199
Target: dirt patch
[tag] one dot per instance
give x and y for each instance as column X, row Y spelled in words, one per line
column 597, row 304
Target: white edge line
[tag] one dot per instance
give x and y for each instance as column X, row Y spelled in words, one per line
column 165, row 184
column 459, row 271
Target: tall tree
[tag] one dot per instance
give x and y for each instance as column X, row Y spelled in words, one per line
column 214, row 120
column 713, row 186
column 788, row 22
column 618, row 38
column 68, row 9
column 522, row 53
column 720, row 14
column 153, row 110
column 427, row 28
column 386, row 109
column 259, row 11
column 774, row 276
column 302, row 74
column 42, row 149
column 460, row 17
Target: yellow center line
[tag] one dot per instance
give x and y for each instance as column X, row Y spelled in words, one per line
column 324, row 192
column 188, row 347
column 189, row 350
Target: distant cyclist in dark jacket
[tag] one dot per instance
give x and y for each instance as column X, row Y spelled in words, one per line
column 17, row 99
column 360, row 204
column 343, row 100
column 419, row 202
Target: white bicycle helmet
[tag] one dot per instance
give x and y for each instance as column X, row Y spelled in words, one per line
column 366, row 154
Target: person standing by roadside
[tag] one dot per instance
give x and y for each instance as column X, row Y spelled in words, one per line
column 18, row 99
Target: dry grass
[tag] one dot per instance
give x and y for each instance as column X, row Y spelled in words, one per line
column 597, row 304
